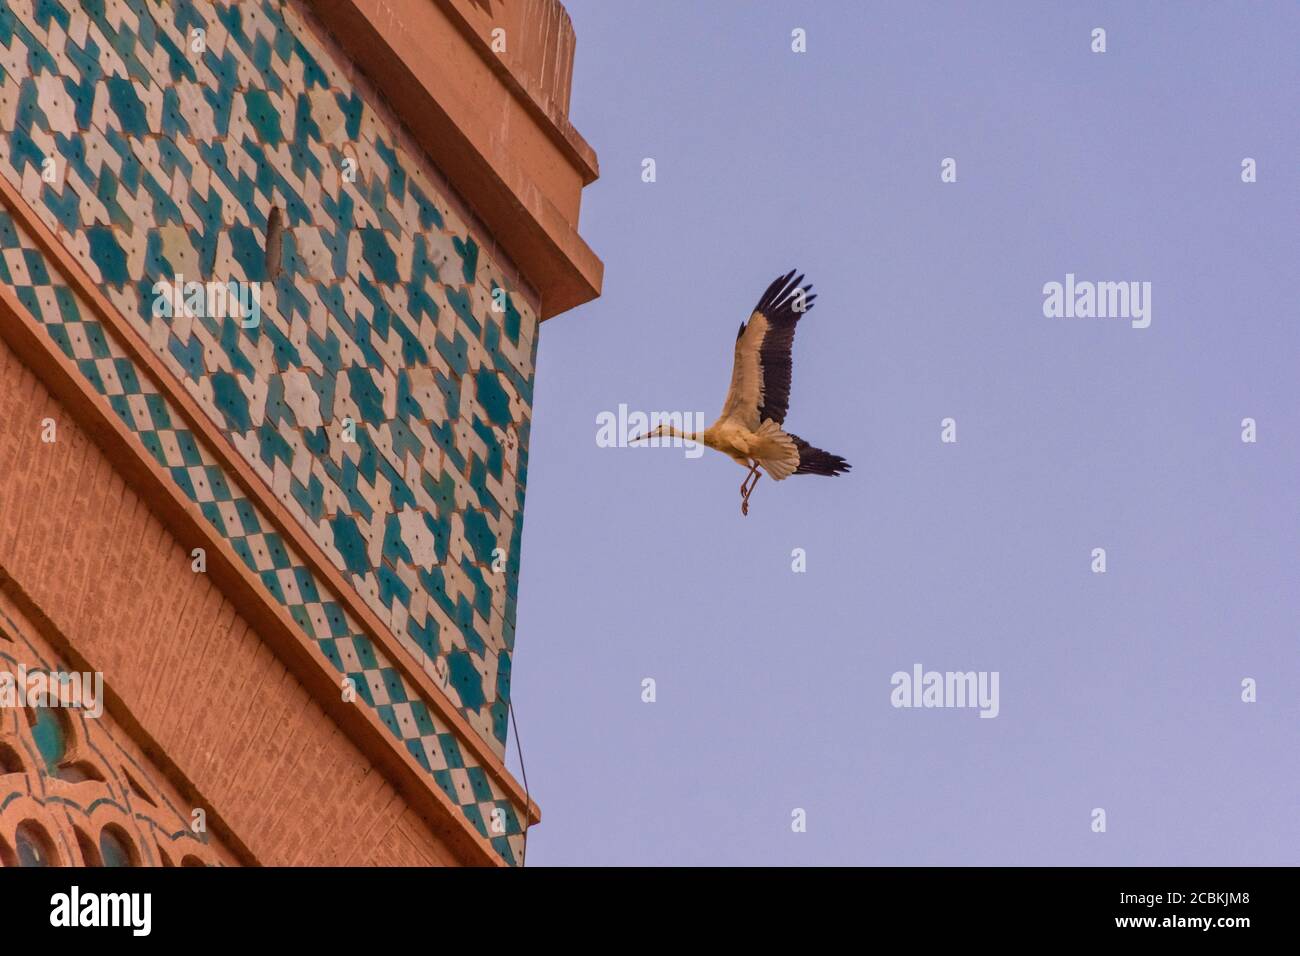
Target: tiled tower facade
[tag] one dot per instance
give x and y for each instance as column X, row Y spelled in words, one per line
column 271, row 280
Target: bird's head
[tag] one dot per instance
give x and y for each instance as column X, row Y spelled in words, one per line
column 659, row 431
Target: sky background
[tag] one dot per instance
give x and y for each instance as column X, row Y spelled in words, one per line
column 1119, row 690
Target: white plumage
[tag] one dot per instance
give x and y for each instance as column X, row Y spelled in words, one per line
column 750, row 429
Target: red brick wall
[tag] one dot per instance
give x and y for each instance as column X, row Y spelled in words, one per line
column 203, row 695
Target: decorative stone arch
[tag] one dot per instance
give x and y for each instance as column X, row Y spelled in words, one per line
column 87, row 847
column 183, row 849
column 23, row 817
column 99, row 801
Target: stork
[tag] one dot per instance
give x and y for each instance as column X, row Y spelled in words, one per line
column 750, row 429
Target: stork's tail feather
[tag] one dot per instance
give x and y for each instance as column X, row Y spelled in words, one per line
column 814, row 461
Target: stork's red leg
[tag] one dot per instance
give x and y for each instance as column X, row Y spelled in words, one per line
column 744, row 489
column 755, row 474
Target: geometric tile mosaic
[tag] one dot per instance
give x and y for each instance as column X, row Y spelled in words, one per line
column 160, row 430
column 384, row 395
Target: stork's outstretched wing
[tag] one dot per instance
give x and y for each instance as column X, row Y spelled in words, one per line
column 760, row 378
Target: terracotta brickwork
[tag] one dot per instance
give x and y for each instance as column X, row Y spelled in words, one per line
column 241, row 735
column 73, row 786
column 95, row 357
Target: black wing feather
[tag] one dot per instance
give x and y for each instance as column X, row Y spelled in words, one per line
column 777, row 305
column 814, row 461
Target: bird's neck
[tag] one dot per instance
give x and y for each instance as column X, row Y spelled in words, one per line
column 675, row 432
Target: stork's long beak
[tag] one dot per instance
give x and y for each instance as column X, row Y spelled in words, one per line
column 638, row 438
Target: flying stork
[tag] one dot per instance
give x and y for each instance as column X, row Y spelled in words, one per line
column 749, row 431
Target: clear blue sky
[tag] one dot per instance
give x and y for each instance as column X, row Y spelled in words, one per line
column 1118, row 690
